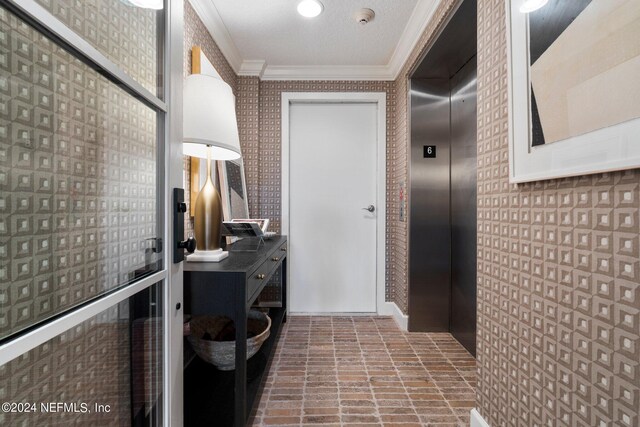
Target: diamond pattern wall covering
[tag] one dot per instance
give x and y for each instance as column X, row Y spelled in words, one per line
column 77, row 180
column 558, row 277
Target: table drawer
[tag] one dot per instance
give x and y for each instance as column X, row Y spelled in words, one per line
column 281, row 250
column 261, row 275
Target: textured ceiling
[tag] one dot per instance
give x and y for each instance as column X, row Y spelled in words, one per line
column 272, row 30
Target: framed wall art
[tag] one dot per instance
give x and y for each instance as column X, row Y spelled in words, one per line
column 574, row 90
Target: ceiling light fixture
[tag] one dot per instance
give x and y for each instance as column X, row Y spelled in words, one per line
column 529, row 6
column 310, row 8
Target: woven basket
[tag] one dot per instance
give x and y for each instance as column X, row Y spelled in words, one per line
column 222, row 354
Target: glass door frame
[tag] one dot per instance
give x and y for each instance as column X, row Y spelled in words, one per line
column 170, row 166
column 174, row 178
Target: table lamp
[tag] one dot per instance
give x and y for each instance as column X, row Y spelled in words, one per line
column 210, row 132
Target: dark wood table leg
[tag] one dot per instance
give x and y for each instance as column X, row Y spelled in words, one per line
column 240, row 417
column 283, row 288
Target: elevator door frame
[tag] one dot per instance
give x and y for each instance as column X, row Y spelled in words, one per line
column 442, row 210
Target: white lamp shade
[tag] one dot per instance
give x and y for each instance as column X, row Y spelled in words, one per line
column 210, row 118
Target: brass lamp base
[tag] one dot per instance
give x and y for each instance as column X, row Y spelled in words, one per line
column 207, row 256
column 208, row 223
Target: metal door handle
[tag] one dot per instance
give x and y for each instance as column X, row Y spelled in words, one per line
column 369, row 208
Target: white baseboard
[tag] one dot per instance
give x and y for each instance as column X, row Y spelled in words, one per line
column 391, row 309
column 477, row 420
column 387, row 309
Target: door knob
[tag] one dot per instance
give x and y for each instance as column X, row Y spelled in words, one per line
column 369, row 208
column 189, row 245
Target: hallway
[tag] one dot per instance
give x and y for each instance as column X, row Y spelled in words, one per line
column 366, row 371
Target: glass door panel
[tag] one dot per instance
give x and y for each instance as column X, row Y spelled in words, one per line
column 78, row 181
column 128, row 35
column 104, row 371
column 83, row 196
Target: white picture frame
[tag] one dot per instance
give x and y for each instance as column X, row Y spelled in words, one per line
column 604, row 150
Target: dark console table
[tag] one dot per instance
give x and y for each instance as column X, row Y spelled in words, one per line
column 229, row 288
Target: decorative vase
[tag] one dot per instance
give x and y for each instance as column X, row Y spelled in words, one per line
column 208, row 216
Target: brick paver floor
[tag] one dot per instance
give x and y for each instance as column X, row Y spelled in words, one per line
column 363, row 370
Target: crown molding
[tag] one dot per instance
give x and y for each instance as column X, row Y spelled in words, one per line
column 211, row 19
column 254, row 68
column 327, row 72
column 418, row 21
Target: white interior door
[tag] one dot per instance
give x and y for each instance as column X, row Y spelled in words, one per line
column 332, row 178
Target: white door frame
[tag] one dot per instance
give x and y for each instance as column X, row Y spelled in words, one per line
column 380, row 99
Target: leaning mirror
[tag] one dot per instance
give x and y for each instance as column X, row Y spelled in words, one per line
column 233, row 189
column 574, row 91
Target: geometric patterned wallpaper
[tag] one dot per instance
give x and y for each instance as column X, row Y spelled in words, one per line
column 77, row 180
column 126, row 34
column 196, row 34
column 66, row 369
column 110, row 359
column 558, row 277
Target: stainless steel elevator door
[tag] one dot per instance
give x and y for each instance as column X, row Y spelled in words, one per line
column 429, row 230
column 464, row 205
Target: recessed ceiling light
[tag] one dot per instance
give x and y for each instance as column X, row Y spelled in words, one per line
column 529, row 6
column 310, row 8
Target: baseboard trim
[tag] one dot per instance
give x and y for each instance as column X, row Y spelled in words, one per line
column 477, row 420
column 391, row 309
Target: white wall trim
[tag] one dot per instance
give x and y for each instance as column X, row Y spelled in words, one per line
column 420, row 18
column 327, row 72
column 252, row 68
column 477, row 420
column 418, row 21
column 211, row 19
column 379, row 98
column 390, row 308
